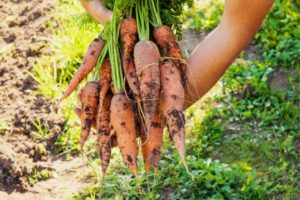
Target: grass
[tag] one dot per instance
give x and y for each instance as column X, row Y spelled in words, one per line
column 243, row 138
column 53, row 72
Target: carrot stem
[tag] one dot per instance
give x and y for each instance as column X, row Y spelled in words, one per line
column 100, row 61
column 113, row 49
column 155, row 13
column 142, row 19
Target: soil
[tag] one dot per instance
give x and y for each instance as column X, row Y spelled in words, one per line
column 67, row 180
column 24, row 33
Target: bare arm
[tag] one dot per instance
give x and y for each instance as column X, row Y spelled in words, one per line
column 211, row 58
column 97, row 10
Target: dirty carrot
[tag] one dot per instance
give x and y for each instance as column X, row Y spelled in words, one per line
column 90, row 98
column 146, row 58
column 104, row 82
column 121, row 116
column 123, row 122
column 104, row 145
column 128, row 37
column 171, row 104
column 166, row 40
column 88, row 64
column 152, row 144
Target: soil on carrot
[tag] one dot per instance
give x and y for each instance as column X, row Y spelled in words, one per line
column 23, row 38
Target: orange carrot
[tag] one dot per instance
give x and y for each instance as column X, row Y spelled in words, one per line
column 90, row 98
column 128, row 36
column 104, row 144
column 123, row 122
column 146, row 57
column 166, row 40
column 79, row 95
column 151, row 144
column 113, row 136
column 171, row 104
column 88, row 64
column 78, row 113
column 105, row 81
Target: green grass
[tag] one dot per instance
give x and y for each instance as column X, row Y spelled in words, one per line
column 242, row 139
column 68, row 44
column 249, row 122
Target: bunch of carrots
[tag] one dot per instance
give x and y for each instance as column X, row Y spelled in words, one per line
column 140, row 89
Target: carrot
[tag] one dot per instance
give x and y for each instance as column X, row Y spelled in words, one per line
column 171, row 105
column 103, row 129
column 88, row 64
column 78, row 113
column 123, row 122
column 79, row 95
column 166, row 40
column 128, row 36
column 105, row 81
column 146, row 58
column 151, row 145
column 90, row 98
column 113, row 136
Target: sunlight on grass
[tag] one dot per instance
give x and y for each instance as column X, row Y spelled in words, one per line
column 5, row 125
column 205, row 14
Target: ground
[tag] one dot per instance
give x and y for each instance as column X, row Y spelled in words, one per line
column 24, row 32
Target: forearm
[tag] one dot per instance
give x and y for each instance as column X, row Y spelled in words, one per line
column 212, row 56
column 97, row 10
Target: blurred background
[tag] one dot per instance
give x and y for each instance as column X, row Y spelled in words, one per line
column 243, row 137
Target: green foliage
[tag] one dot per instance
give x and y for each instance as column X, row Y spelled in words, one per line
column 279, row 37
column 204, row 15
column 213, row 180
column 53, row 72
column 249, row 122
column 171, row 12
column 253, row 124
column 142, row 20
column 38, row 176
column 42, row 132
